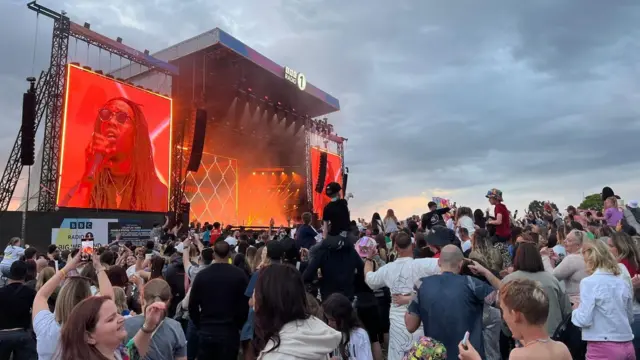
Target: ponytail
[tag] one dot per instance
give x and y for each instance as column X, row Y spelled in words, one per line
column 156, row 290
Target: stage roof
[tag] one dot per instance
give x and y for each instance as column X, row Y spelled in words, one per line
column 311, row 101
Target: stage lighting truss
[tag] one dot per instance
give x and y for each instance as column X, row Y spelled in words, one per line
column 213, row 190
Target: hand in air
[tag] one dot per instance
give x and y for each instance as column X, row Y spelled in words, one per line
column 154, row 314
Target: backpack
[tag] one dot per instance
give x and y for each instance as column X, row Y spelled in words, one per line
column 571, row 335
column 636, row 213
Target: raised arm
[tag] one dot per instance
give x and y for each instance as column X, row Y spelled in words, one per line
column 42, row 296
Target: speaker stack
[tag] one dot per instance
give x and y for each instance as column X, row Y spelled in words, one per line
column 322, row 173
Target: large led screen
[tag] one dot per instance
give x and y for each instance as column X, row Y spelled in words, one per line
column 115, row 150
column 334, row 174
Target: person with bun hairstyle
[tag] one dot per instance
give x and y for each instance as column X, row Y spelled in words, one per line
column 167, row 340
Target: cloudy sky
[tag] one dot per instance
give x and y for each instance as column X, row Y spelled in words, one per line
column 540, row 99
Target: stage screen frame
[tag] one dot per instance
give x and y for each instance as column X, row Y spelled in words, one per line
column 160, row 137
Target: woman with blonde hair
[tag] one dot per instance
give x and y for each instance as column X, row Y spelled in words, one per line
column 390, row 222
column 167, row 339
column 251, row 257
column 483, row 252
column 625, row 249
column 12, row 253
column 47, row 325
column 45, row 275
column 606, row 306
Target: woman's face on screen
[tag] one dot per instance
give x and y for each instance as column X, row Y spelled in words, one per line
column 117, row 124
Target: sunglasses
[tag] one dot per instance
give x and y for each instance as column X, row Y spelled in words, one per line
column 120, row 116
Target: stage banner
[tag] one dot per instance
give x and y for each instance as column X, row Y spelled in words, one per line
column 115, row 151
column 72, row 230
column 130, row 230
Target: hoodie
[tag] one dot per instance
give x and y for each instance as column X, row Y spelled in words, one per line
column 309, row 339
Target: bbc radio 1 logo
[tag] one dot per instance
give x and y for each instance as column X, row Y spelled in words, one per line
column 81, row 225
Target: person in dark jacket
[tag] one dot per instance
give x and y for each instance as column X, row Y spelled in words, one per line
column 306, row 236
column 335, row 256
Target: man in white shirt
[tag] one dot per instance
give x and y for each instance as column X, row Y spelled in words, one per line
column 233, row 240
column 400, row 276
column 465, row 239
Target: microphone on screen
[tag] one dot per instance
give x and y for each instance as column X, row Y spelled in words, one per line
column 97, row 160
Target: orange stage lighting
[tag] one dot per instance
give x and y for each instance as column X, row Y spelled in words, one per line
column 115, row 150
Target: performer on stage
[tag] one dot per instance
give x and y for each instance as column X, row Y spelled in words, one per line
column 119, row 168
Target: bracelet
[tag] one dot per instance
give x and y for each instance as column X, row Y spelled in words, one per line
column 145, row 330
column 63, row 274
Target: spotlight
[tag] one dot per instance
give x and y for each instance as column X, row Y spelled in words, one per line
column 262, row 173
column 282, row 173
column 273, row 173
column 87, row 25
column 146, row 52
column 254, row 173
column 119, row 39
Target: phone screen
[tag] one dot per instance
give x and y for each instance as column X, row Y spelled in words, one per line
column 465, row 340
column 87, row 250
column 148, row 256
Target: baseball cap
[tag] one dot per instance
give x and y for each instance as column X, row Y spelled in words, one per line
column 633, row 204
column 18, row 271
column 333, row 188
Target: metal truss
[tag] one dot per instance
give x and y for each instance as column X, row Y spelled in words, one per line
column 51, row 142
column 307, row 167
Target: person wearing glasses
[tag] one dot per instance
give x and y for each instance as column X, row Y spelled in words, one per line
column 119, row 169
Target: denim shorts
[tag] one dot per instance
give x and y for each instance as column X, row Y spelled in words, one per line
column 247, row 328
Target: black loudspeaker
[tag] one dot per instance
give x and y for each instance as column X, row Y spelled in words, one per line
column 322, row 173
column 198, row 140
column 27, row 146
column 345, row 178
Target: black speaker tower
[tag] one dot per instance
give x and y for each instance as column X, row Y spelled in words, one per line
column 28, row 127
column 198, row 140
column 322, row 173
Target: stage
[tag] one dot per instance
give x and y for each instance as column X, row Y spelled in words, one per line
column 119, row 140
column 259, row 135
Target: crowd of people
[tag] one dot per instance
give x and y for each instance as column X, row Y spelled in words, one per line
column 451, row 284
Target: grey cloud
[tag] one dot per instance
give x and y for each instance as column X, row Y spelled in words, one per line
column 434, row 94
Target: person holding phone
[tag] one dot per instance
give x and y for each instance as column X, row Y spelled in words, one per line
column 525, row 307
column 432, row 305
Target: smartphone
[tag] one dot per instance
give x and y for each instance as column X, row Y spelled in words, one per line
column 465, row 340
column 148, row 256
column 87, row 250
